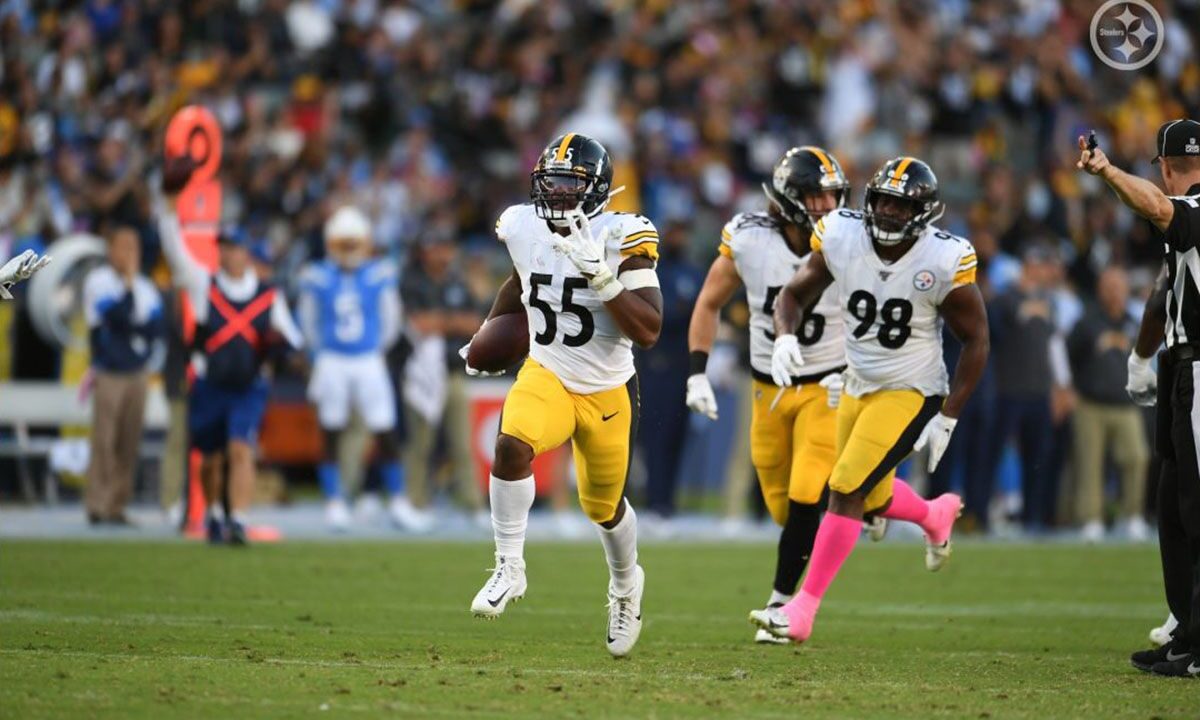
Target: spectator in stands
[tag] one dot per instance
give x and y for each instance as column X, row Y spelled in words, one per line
column 442, row 316
column 1106, row 419
column 125, row 321
column 1023, row 329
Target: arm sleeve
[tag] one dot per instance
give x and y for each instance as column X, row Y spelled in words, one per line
column 306, row 313
column 281, row 320
column 389, row 317
column 189, row 274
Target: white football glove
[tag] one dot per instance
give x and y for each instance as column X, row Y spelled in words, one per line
column 22, row 267
column 589, row 255
column 1143, row 381
column 462, row 353
column 937, row 435
column 700, row 397
column 833, row 384
column 786, row 360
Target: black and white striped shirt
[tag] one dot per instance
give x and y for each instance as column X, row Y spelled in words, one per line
column 1182, row 254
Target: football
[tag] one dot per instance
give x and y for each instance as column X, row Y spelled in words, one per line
column 501, row 343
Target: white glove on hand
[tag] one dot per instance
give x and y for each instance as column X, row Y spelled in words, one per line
column 786, row 360
column 589, row 255
column 462, row 353
column 833, row 384
column 1143, row 381
column 937, row 435
column 700, row 397
column 22, row 267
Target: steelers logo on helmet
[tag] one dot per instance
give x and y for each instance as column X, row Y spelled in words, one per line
column 573, row 173
column 803, row 172
column 348, row 237
column 901, row 201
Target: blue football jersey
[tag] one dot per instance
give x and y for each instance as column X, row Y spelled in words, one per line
column 350, row 312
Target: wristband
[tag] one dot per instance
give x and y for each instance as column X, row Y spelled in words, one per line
column 697, row 362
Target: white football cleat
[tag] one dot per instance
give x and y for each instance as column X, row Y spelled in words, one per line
column 772, row 621
column 943, row 511
column 507, row 584
column 876, row 528
column 407, row 517
column 337, row 515
column 625, row 617
column 1161, row 635
column 762, row 637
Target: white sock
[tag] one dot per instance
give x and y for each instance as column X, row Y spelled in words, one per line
column 511, row 500
column 620, row 549
column 778, row 598
column 216, row 511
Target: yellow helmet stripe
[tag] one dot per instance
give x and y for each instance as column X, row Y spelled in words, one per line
column 899, row 172
column 561, row 153
column 820, row 156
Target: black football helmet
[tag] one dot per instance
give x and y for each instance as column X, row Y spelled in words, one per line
column 913, row 181
column 805, row 170
column 573, row 172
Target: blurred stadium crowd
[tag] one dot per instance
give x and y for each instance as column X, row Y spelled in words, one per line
column 430, row 114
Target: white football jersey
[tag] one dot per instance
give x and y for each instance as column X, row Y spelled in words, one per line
column 766, row 263
column 893, row 327
column 571, row 333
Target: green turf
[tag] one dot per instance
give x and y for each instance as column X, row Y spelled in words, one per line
column 118, row 630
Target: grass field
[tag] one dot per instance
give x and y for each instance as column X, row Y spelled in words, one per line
column 158, row 630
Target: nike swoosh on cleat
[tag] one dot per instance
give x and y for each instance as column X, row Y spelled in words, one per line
column 610, row 640
column 1172, row 657
column 496, row 602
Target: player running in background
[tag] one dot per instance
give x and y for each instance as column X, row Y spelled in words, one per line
column 239, row 320
column 791, row 432
column 21, row 267
column 349, row 309
column 898, row 279
column 586, row 279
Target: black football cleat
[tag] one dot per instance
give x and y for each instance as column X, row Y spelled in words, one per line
column 1145, row 660
column 1185, row 667
column 237, row 534
column 215, row 529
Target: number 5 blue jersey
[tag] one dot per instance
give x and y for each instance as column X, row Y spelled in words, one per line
column 350, row 311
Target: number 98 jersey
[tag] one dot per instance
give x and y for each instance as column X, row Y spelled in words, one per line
column 765, row 263
column 571, row 333
column 893, row 327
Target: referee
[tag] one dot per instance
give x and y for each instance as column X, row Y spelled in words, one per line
column 1175, row 310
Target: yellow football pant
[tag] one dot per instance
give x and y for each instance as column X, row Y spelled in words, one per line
column 874, row 433
column 793, row 446
column 601, row 426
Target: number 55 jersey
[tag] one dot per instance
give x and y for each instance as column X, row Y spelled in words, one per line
column 570, row 331
column 893, row 328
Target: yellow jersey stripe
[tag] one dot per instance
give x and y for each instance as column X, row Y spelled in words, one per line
column 899, row 174
column 965, row 276
column 631, row 246
column 819, row 228
column 642, row 235
column 725, row 250
column 726, row 235
column 967, row 259
column 561, row 153
column 815, row 242
column 820, row 156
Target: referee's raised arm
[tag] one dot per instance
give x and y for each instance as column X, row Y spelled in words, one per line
column 1139, row 194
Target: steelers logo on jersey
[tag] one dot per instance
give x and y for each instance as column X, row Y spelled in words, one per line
column 923, row 280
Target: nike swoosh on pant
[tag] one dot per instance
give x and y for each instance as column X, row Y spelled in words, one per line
column 496, row 602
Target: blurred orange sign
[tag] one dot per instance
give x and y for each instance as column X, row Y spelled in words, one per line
column 194, row 131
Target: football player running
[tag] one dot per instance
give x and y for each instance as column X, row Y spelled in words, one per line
column 898, row 279
column 350, row 313
column 791, row 432
column 586, row 278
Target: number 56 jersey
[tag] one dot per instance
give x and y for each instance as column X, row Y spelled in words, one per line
column 765, row 263
column 893, row 327
column 571, row 333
